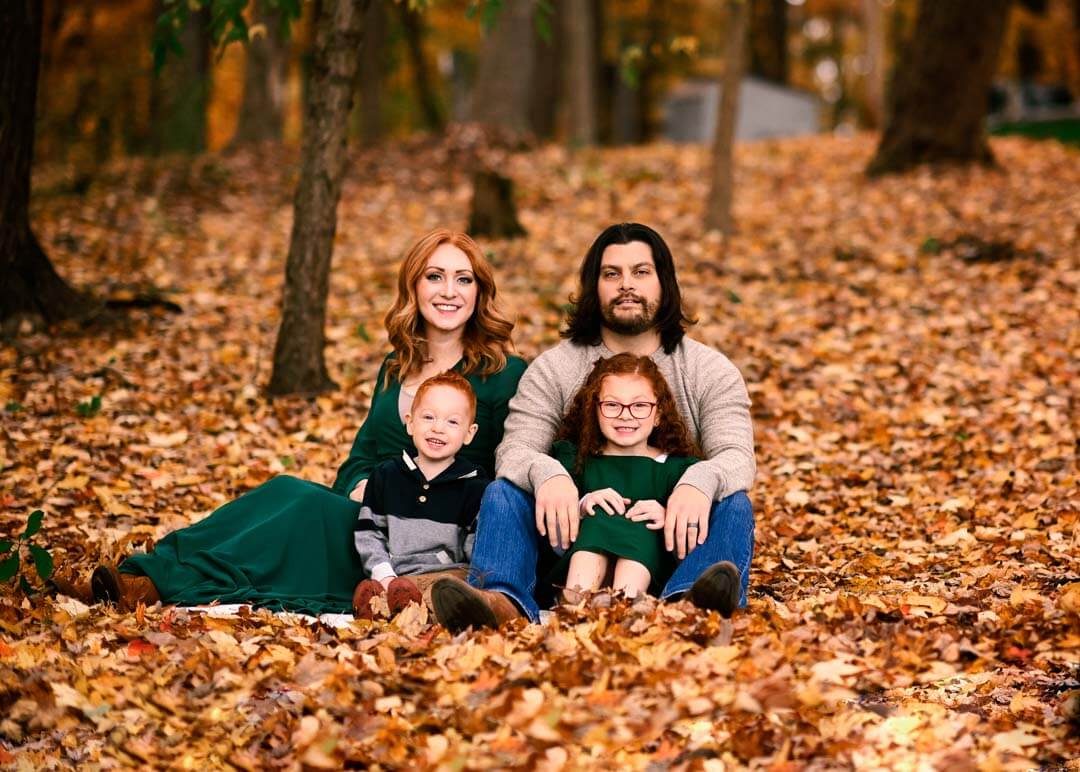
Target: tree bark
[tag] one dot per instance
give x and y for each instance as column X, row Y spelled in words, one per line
column 412, row 24
column 493, row 212
column 579, row 76
column 29, row 285
column 505, row 74
column 261, row 111
column 718, row 208
column 937, row 103
column 178, row 95
column 874, row 29
column 768, row 39
column 547, row 76
column 371, row 73
column 299, row 365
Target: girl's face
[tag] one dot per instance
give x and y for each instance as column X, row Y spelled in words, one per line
column 626, row 412
column 446, row 290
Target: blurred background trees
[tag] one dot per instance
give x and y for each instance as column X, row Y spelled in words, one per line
column 491, row 77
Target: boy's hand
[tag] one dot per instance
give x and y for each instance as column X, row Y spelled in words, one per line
column 357, row 493
column 649, row 511
column 557, row 510
column 608, row 499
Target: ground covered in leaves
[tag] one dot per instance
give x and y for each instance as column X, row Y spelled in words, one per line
column 912, row 348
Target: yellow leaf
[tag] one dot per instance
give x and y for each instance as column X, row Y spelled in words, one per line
column 172, row 440
column 933, row 604
column 73, row 482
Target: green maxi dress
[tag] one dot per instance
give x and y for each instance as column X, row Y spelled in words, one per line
column 288, row 544
column 638, row 478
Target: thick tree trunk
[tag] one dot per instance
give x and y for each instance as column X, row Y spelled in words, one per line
column 299, row 366
column 29, row 286
column 579, row 76
column 493, row 211
column 874, row 29
column 262, row 110
column 505, row 74
column 547, row 76
column 179, row 92
column 412, row 25
column 718, row 208
column 938, row 100
column 371, row 73
column 768, row 39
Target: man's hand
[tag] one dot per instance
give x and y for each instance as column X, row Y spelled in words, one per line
column 649, row 510
column 608, row 499
column 557, row 510
column 357, row 493
column 686, row 523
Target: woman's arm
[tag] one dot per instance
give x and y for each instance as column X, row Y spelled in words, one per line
column 362, row 458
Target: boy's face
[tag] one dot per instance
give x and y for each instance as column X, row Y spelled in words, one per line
column 440, row 423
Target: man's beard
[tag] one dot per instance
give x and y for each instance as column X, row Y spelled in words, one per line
column 640, row 322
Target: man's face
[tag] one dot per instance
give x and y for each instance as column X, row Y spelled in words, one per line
column 629, row 288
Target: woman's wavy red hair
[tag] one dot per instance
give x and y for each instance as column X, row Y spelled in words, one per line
column 487, row 333
column 581, row 426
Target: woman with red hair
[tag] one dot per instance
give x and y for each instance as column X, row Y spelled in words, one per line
column 288, row 544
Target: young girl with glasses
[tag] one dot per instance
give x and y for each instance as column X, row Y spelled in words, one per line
column 625, row 445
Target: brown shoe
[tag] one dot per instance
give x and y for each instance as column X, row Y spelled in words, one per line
column 459, row 606
column 66, row 584
column 717, row 588
column 362, row 595
column 401, row 593
column 127, row 591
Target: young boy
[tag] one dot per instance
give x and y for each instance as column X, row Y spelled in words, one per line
column 418, row 516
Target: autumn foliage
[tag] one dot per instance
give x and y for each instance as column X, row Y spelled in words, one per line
column 912, row 348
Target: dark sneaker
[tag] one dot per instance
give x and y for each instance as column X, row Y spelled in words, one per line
column 717, row 588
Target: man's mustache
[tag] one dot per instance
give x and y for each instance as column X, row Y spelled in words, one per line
column 627, row 296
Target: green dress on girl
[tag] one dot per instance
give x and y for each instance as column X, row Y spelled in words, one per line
column 638, row 478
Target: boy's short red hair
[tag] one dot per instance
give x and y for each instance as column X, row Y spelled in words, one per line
column 455, row 381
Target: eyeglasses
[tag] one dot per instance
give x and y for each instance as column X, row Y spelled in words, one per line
column 609, row 408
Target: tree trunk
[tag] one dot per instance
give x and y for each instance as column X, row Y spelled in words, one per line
column 412, row 24
column 261, row 112
column 299, row 366
column 768, row 39
column 371, row 73
column 505, row 74
column 179, row 92
column 718, row 208
column 493, row 212
column 547, row 76
column 938, row 100
column 579, row 76
column 874, row 29
column 29, row 285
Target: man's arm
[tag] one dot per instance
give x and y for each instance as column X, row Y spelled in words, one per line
column 726, row 434
column 522, row 456
column 535, row 412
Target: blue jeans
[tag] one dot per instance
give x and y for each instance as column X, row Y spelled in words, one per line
column 508, row 546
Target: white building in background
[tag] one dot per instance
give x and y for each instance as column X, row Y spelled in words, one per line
column 766, row 109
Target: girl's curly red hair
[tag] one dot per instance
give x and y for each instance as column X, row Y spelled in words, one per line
column 581, row 427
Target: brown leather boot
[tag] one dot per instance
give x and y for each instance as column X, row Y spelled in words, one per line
column 66, row 584
column 125, row 590
column 459, row 606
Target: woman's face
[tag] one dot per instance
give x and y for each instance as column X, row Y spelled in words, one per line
column 446, row 290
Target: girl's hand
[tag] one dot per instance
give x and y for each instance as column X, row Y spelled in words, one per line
column 357, row 493
column 608, row 499
column 649, row 511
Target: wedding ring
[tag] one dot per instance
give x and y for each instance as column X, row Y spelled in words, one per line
column 691, row 525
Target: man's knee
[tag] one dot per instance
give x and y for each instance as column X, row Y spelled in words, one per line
column 735, row 508
column 503, row 497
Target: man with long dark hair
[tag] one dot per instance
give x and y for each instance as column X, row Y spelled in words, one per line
column 628, row 300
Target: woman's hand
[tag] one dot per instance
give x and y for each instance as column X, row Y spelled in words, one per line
column 608, row 499
column 357, row 493
column 649, row 511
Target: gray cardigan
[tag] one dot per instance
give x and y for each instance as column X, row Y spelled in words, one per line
column 709, row 391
